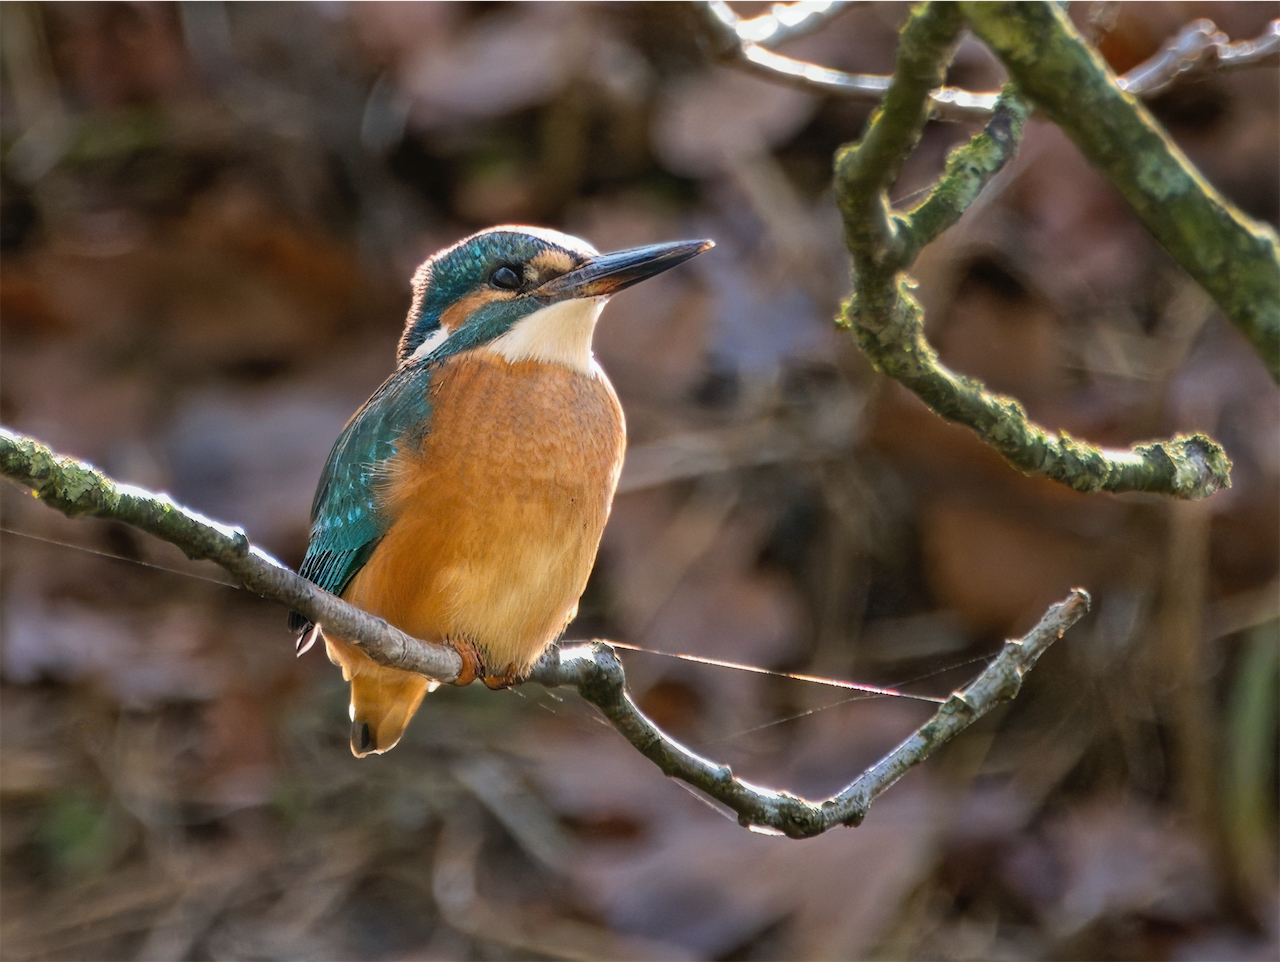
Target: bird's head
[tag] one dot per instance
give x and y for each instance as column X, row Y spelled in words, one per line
column 524, row 292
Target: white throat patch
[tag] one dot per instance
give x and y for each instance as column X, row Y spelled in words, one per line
column 557, row 334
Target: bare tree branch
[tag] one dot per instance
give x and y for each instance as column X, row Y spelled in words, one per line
column 595, row 671
column 888, row 322
column 1198, row 48
column 968, row 170
column 734, row 42
column 78, row 489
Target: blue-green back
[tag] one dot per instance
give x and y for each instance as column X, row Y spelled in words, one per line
column 347, row 520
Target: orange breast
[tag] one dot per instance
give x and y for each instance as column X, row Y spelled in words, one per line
column 499, row 509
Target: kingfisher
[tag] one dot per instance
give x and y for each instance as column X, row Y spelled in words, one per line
column 464, row 502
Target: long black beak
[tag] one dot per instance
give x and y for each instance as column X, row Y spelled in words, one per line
column 607, row 274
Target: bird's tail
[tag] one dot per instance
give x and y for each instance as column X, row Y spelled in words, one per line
column 383, row 700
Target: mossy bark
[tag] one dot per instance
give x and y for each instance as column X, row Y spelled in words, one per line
column 887, row 321
column 1234, row 258
column 78, row 489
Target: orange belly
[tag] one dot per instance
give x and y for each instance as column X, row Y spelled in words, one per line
column 499, row 509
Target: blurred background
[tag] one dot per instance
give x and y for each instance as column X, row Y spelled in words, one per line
column 211, row 212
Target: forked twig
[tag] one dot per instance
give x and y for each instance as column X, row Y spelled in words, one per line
column 594, row 669
column 888, row 322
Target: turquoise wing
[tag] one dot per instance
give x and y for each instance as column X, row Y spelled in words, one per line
column 347, row 517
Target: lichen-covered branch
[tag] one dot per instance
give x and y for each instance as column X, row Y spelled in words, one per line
column 866, row 170
column 1235, row 259
column 888, row 322
column 968, row 169
column 78, row 489
column 595, row 671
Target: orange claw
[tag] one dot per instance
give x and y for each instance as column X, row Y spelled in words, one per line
column 472, row 664
column 504, row 680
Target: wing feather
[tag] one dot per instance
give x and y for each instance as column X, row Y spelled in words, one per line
column 347, row 516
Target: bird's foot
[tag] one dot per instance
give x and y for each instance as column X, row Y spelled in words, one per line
column 472, row 662
column 505, row 680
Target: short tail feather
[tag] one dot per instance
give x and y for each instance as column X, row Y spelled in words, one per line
column 383, row 700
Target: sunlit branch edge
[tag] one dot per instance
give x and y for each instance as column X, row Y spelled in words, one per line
column 78, row 489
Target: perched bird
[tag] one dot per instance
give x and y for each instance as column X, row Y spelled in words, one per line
column 464, row 502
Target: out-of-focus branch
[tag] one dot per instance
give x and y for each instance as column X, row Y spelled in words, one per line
column 738, row 43
column 78, row 489
column 1234, row 258
column 888, row 322
column 787, row 21
column 1198, row 48
column 595, row 671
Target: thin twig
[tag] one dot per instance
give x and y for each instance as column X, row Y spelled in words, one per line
column 1200, row 48
column 595, row 671
column 78, row 489
column 733, row 41
column 742, row 43
column 968, row 169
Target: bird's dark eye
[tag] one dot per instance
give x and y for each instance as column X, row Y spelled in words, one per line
column 508, row 277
